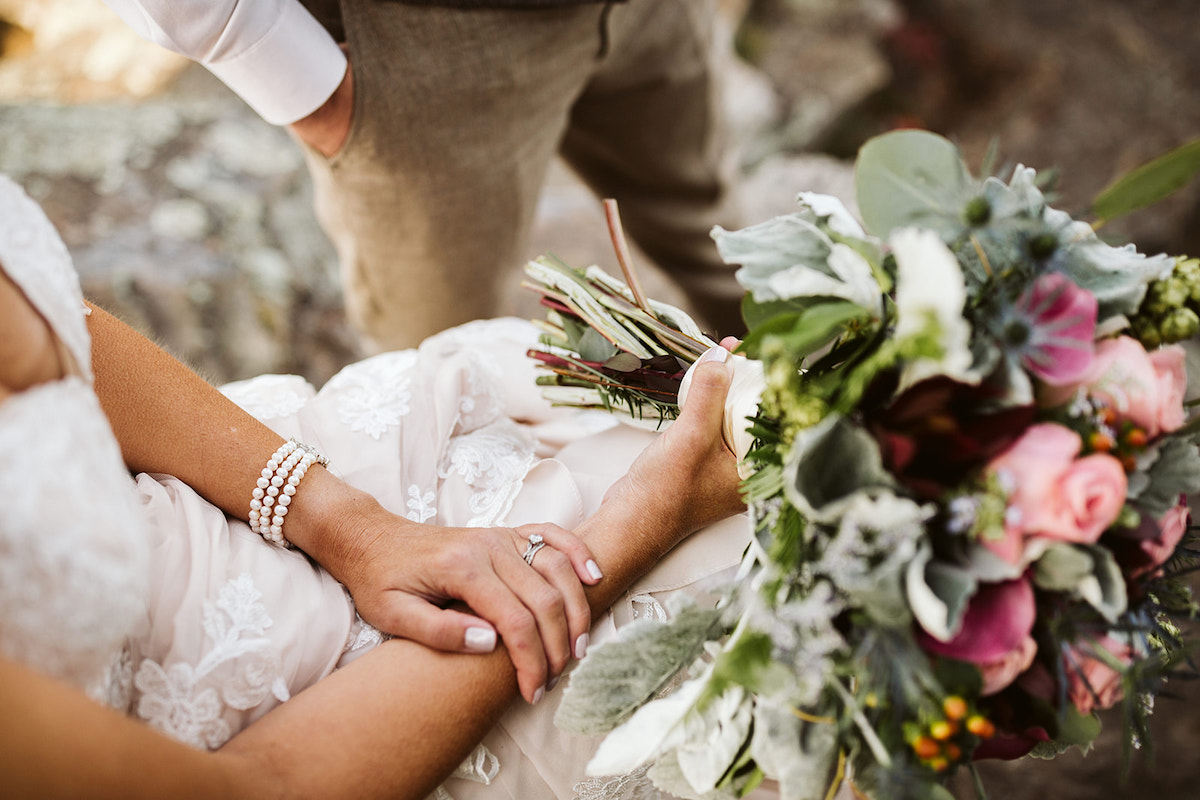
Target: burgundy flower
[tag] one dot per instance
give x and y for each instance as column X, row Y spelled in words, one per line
column 939, row 430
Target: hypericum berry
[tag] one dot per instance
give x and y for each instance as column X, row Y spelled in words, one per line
column 925, row 747
column 952, row 751
column 1135, row 437
column 943, row 729
column 939, row 764
column 981, row 726
column 1100, row 442
column 954, row 707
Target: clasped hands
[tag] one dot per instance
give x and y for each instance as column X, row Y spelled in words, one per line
column 404, row 574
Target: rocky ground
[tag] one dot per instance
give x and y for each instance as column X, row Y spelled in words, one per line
column 191, row 218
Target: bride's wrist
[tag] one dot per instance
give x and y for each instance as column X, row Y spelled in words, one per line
column 326, row 522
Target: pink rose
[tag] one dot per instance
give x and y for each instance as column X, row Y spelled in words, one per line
column 1145, row 388
column 1091, row 683
column 994, row 634
column 1000, row 673
column 1053, row 494
column 1171, row 527
column 1170, row 370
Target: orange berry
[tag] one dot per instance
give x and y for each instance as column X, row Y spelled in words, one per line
column 1100, row 442
column 943, row 729
column 1108, row 415
column 1136, row 437
column 939, row 764
column 1129, row 462
column 981, row 727
column 952, row 751
column 954, row 707
column 925, row 747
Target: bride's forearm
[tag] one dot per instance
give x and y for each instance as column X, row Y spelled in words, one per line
column 398, row 720
column 168, row 419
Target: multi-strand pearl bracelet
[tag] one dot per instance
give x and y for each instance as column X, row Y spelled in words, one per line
column 277, row 486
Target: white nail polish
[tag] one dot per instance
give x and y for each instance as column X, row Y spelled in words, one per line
column 552, row 683
column 594, row 569
column 480, row 640
column 717, row 353
column 581, row 645
column 537, row 696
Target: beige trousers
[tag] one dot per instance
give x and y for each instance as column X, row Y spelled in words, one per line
column 457, row 116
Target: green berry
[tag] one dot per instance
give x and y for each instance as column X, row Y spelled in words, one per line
column 1180, row 324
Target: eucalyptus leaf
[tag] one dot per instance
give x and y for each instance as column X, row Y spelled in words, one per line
column 594, row 347
column 812, row 329
column 1149, row 183
column 620, row 675
column 910, row 178
column 623, row 362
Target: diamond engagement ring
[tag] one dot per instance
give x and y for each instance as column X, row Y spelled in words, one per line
column 536, row 542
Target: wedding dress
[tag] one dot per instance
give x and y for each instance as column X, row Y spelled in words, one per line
column 144, row 595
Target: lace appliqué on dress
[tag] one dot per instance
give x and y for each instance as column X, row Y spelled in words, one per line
column 634, row 786
column 176, row 700
column 646, row 607
column 421, row 506
column 270, row 396
column 480, row 767
column 376, row 394
column 493, row 462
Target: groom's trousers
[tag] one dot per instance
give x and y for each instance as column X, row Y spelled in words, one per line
column 458, row 113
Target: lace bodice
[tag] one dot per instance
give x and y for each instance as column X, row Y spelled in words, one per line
column 73, row 545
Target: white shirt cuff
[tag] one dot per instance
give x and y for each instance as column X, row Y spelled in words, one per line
column 289, row 72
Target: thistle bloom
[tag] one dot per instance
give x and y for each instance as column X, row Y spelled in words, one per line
column 1051, row 328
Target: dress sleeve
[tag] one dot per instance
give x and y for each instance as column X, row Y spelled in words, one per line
column 272, row 53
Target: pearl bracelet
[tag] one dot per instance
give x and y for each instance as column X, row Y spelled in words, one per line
column 277, row 486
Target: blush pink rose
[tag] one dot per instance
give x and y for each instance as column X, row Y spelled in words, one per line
column 1171, row 527
column 1000, row 673
column 1053, row 494
column 1145, row 388
column 1170, row 370
column 1091, row 683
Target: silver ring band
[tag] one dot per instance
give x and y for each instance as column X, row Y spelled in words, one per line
column 536, row 542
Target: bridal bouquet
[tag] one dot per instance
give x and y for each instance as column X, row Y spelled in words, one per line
column 967, row 467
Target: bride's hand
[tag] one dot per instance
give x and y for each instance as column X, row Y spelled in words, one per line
column 687, row 478
column 402, row 574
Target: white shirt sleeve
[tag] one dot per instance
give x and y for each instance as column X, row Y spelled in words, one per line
column 272, row 53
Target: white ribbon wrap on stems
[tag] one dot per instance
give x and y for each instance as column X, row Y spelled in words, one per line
column 745, row 391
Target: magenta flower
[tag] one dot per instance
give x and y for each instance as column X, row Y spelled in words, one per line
column 1051, row 329
column 995, row 633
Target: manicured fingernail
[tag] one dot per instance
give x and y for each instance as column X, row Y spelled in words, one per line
column 594, row 569
column 537, row 696
column 552, row 683
column 480, row 640
column 581, row 645
column 714, row 354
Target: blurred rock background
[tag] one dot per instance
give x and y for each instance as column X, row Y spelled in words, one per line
column 190, row 217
